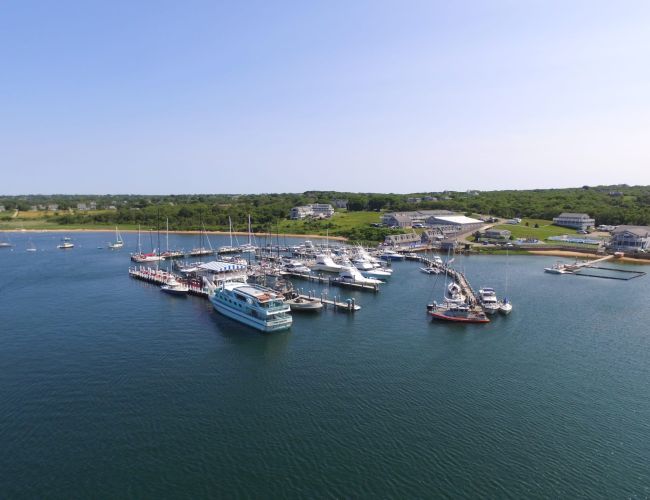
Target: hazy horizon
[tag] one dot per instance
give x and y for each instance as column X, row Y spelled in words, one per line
column 213, row 97
column 307, row 191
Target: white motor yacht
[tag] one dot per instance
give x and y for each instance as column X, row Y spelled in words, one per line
column 351, row 274
column 175, row 287
column 252, row 305
column 388, row 254
column 324, row 262
column 295, row 266
column 488, row 299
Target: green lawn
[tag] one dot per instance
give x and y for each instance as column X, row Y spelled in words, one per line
column 545, row 229
column 338, row 224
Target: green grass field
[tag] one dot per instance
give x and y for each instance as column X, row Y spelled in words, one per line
column 338, row 224
column 545, row 229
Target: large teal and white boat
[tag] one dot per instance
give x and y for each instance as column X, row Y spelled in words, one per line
column 253, row 305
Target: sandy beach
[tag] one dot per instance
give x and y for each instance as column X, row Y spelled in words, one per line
column 580, row 255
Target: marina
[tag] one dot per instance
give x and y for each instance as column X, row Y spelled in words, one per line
column 140, row 356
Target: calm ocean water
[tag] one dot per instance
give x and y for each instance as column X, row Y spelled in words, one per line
column 111, row 389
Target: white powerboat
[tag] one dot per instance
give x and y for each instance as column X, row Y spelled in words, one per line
column 351, row 274
column 488, row 299
column 379, row 273
column 175, row 287
column 295, row 266
column 302, row 303
column 388, row 254
column 324, row 262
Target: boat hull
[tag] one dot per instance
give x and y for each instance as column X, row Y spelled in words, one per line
column 458, row 316
column 553, row 270
column 174, row 290
column 491, row 308
column 325, row 268
column 505, row 309
column 392, row 257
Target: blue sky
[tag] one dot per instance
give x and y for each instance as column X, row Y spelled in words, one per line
column 383, row 96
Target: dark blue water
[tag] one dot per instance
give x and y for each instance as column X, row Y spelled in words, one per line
column 109, row 388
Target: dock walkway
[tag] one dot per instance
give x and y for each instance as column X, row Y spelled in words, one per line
column 161, row 277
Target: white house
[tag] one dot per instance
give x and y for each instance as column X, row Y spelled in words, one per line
column 318, row 210
column 575, row 221
column 301, row 212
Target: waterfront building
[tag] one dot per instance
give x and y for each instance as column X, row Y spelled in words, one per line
column 630, row 239
column 2, row 208
column 322, row 210
column 574, row 221
column 53, row 207
column 461, row 223
column 408, row 219
column 448, row 245
column 81, row 206
column 497, row 234
column 402, row 239
column 413, row 200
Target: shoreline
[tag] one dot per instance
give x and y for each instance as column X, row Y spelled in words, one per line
column 218, row 233
column 569, row 253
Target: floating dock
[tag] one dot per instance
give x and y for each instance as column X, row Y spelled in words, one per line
column 578, row 269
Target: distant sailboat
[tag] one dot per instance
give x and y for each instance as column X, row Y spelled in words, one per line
column 66, row 243
column 5, row 243
column 30, row 246
column 119, row 243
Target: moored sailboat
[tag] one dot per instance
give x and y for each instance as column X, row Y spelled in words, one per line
column 119, row 243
